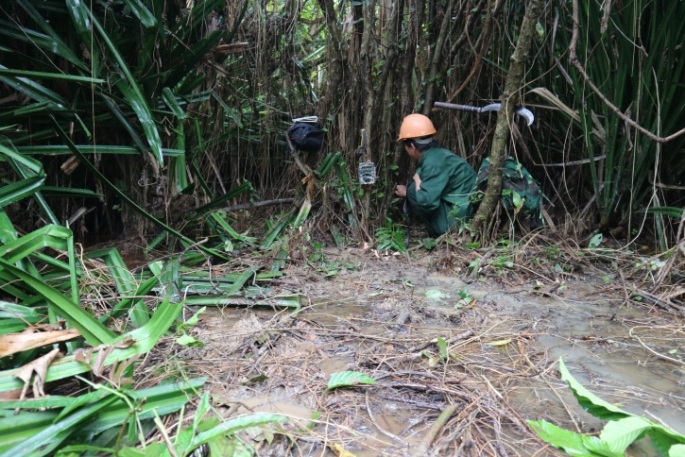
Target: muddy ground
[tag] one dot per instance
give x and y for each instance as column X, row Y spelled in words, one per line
column 505, row 326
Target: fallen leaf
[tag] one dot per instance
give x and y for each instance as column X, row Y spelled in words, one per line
column 499, row 343
column 31, row 339
column 340, row 451
column 435, row 294
column 40, row 367
column 10, row 395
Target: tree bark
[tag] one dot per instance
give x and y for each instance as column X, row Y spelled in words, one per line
column 510, row 98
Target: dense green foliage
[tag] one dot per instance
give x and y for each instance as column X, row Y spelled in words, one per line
column 174, row 105
column 157, row 118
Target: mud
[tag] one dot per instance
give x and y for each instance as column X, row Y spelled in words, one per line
column 504, row 335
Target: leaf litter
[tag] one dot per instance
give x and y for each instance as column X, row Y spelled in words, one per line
column 449, row 380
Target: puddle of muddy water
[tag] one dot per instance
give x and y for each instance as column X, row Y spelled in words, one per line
column 595, row 341
column 596, row 338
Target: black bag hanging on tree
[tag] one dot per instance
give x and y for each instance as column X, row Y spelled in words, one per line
column 305, row 134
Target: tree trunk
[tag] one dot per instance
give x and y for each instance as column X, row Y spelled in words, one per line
column 510, row 98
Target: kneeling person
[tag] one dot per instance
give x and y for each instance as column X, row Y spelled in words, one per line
column 439, row 193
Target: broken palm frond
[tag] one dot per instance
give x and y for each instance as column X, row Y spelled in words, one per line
column 276, row 230
column 270, row 301
column 126, row 285
column 302, row 214
column 218, row 222
column 30, row 287
column 134, row 343
column 86, row 417
column 109, row 358
column 218, row 288
column 30, row 171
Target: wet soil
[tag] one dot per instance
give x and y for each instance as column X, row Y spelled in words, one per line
column 436, row 337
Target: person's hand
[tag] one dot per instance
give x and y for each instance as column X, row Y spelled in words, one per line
column 417, row 181
column 401, row 190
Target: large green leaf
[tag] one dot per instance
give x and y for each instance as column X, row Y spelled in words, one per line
column 348, row 379
column 28, row 168
column 33, row 90
column 17, row 250
column 78, row 11
column 620, row 434
column 16, row 318
column 276, row 231
column 20, row 160
column 140, row 106
column 162, row 400
column 49, row 41
column 677, row 451
column 61, row 149
column 589, row 401
column 170, row 100
column 574, row 444
column 56, row 191
column 16, row 428
column 46, row 75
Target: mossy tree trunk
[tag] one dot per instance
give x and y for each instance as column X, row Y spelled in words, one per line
column 510, row 98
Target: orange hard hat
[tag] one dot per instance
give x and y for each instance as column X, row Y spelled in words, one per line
column 415, row 126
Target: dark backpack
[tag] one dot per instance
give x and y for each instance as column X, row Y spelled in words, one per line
column 520, row 196
column 306, row 136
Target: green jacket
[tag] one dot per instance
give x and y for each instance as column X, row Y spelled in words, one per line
column 446, row 183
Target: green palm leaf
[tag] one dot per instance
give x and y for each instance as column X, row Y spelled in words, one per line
column 87, row 325
column 19, row 190
column 133, row 94
column 136, row 342
column 48, row 41
column 33, row 90
column 48, row 439
column 141, row 12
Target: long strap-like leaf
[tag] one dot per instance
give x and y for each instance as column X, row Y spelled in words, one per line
column 92, row 330
column 133, row 94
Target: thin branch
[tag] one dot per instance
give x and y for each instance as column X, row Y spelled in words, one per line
column 277, row 201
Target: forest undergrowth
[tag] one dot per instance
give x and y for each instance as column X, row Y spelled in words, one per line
column 441, row 351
